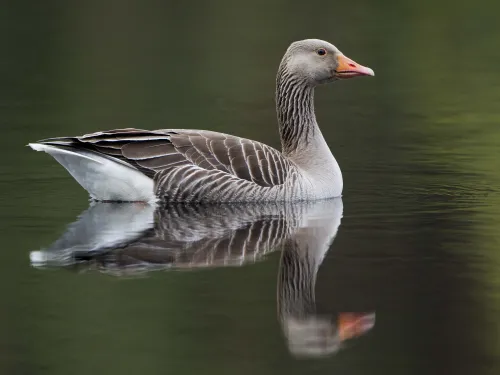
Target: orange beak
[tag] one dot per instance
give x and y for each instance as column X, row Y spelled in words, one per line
column 351, row 325
column 348, row 68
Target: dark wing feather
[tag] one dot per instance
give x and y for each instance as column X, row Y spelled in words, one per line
column 202, row 236
column 159, row 150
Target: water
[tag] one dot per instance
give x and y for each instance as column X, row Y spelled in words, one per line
column 409, row 282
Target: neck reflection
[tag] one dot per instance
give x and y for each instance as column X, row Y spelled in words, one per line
column 133, row 239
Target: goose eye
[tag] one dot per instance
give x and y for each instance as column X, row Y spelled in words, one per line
column 321, row 52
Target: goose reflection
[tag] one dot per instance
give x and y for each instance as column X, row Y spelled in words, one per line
column 132, row 239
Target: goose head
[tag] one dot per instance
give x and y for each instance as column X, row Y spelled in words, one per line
column 316, row 62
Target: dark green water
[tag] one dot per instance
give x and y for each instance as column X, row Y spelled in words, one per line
column 418, row 244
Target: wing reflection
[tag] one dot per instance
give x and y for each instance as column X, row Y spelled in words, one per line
column 132, row 239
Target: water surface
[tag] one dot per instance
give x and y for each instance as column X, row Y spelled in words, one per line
column 412, row 264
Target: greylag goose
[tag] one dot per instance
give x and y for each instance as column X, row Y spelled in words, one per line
column 182, row 236
column 308, row 333
column 180, row 165
column 132, row 239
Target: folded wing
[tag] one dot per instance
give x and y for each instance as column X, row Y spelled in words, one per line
column 157, row 151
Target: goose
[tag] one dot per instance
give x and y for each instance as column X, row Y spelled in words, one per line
column 182, row 165
column 129, row 240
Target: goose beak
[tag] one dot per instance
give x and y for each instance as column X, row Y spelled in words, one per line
column 351, row 325
column 348, row 68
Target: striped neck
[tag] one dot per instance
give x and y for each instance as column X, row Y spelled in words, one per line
column 296, row 282
column 295, row 110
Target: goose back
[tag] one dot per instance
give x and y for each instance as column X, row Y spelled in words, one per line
column 193, row 165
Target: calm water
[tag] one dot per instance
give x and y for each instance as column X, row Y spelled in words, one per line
column 400, row 276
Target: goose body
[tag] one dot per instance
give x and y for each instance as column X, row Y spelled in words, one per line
column 134, row 239
column 182, row 165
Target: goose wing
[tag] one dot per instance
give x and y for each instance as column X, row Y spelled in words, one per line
column 205, row 236
column 129, row 238
column 152, row 152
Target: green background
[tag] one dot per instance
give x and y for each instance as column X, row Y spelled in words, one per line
column 417, row 144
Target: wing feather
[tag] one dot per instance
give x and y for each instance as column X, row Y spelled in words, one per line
column 157, row 151
column 151, row 149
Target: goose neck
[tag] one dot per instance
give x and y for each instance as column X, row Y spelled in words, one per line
column 295, row 110
column 296, row 281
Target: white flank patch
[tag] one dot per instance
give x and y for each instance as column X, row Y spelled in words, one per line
column 104, row 178
column 103, row 226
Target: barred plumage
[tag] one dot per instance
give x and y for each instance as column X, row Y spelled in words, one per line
column 180, row 165
column 131, row 240
column 131, row 236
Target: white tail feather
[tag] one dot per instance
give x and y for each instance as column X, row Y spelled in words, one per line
column 105, row 178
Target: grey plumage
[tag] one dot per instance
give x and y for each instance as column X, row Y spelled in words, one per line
column 131, row 239
column 128, row 236
column 182, row 165
column 193, row 165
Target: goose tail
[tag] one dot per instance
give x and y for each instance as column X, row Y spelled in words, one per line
column 105, row 178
